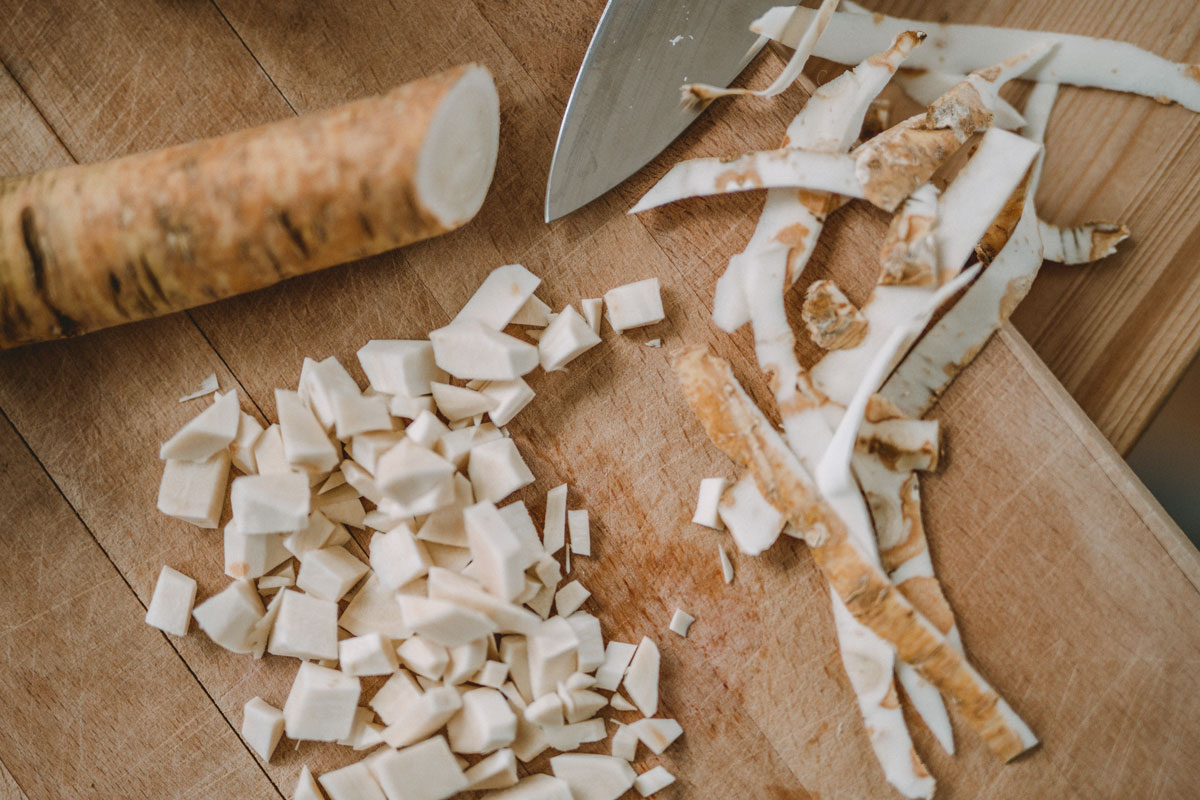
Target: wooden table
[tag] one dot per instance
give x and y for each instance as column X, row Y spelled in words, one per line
column 1076, row 595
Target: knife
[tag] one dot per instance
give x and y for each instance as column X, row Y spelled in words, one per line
column 625, row 106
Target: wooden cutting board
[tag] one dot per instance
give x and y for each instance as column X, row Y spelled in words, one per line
column 1076, row 596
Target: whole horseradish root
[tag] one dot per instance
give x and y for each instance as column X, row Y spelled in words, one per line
column 90, row 246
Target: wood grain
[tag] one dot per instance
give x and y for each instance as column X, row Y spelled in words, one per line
column 1065, row 576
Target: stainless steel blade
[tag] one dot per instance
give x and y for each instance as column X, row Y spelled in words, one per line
column 625, row 107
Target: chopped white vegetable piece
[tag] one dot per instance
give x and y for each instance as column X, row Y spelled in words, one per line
column 470, row 349
column 335, row 480
column 681, row 621
column 641, row 678
column 581, row 532
column 170, row 607
column 424, row 657
column 654, row 343
column 591, row 642
column 268, row 452
column 321, row 704
column 624, row 743
column 542, row 602
column 581, row 704
column 514, row 651
column 658, row 734
column 707, row 503
column 398, row 558
column 485, row 723
column 392, row 700
column 277, row 503
column 252, row 556
column 535, row 787
column 465, row 661
column 211, row 430
column 754, row 523
column 404, row 407
column 260, row 632
column 619, row 703
column 313, row 536
column 400, row 367
column 496, row 550
column 374, row 609
column 726, row 564
column 496, row 470
column 408, row 473
column 552, row 655
column 617, row 656
column 445, row 526
column 534, row 313
column 497, row 771
column 278, row 580
column 654, row 780
column 556, row 519
column 371, row 654
column 229, row 616
column 426, row 429
column 455, row 446
column 364, row 734
column 262, row 725
column 569, row 598
column 633, row 305
column 207, row 387
column 356, row 414
column 565, row 738
column 342, row 505
column 510, row 397
column 592, row 307
column 492, row 673
column 455, row 402
column 567, row 337
column 423, row 716
column 319, row 382
column 306, row 786
column 516, row 515
column 444, row 623
column 547, row 711
column 306, row 627
column 501, row 296
column 305, row 442
column 594, row 777
column 241, row 450
column 366, row 448
column 360, row 480
column 425, row 771
column 352, row 782
column 548, row 570
column 468, row 594
column 194, row 491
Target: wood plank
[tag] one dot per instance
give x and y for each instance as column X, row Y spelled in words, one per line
column 9, row 790
column 94, row 701
column 757, row 685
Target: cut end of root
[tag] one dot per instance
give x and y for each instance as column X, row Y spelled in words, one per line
column 458, row 155
column 697, row 96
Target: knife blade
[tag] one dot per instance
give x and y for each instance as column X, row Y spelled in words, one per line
column 625, row 106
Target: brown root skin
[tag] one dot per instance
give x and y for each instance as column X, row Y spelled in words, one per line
column 88, row 246
column 998, row 234
column 739, row 428
column 832, row 320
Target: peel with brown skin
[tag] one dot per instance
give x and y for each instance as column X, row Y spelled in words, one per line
column 739, row 428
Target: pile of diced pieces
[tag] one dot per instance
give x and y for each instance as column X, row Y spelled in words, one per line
column 458, row 601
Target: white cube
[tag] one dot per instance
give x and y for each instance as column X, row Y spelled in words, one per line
column 567, row 338
column 496, row 470
column 194, row 491
column 371, row 654
column 306, row 627
column 229, row 617
column 470, row 349
column 305, row 442
column 633, row 305
column 400, row 367
column 329, row 573
column 485, row 724
column 171, row 606
column 352, row 782
column 397, row 557
column 252, row 556
column 425, row 771
column 275, row 503
column 262, row 725
column 321, row 704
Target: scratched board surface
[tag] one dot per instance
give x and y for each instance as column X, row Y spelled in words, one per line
column 1076, row 596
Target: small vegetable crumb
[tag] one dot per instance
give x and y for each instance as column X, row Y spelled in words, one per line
column 681, row 622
